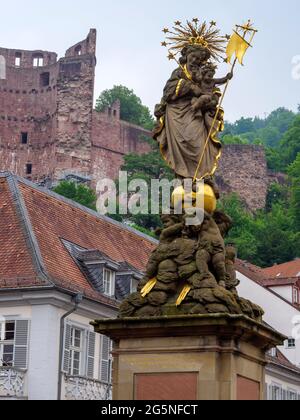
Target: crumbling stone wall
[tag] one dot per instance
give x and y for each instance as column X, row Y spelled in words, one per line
column 112, row 139
column 75, row 93
column 243, row 169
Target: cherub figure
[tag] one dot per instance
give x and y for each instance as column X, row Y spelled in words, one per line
column 211, row 249
column 208, row 84
column 173, row 226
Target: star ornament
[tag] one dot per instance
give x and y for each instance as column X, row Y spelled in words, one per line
column 171, row 56
column 195, row 20
column 213, row 23
column 178, row 23
column 166, row 30
column 164, row 44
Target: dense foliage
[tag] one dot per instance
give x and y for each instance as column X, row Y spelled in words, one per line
column 82, row 194
column 279, row 133
column 132, row 109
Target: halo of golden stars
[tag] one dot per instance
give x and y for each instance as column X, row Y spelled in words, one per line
column 194, row 33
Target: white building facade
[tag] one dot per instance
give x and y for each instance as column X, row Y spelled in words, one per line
column 283, row 373
column 30, row 366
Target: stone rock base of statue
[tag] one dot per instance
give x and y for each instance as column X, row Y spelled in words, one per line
column 191, row 357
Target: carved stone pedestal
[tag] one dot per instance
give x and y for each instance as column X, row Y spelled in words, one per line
column 200, row 357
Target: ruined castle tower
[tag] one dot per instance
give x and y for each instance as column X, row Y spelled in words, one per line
column 46, row 110
column 48, row 128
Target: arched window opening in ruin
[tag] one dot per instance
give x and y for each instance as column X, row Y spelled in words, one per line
column 18, row 58
column 2, row 68
column 24, row 138
column 28, row 169
column 38, row 60
column 78, row 50
column 45, row 79
column 115, row 112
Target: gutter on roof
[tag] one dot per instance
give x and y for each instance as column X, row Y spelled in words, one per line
column 59, row 289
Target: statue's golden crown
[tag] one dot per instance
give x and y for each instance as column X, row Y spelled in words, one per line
column 195, row 33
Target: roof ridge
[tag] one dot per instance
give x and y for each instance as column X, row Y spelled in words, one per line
column 25, row 222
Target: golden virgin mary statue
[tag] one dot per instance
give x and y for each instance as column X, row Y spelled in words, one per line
column 187, row 122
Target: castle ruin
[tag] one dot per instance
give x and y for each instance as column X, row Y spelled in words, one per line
column 50, row 131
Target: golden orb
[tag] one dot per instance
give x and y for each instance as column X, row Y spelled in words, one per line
column 204, row 195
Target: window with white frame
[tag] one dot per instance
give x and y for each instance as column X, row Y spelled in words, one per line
column 79, row 351
column 76, row 352
column 7, row 342
column 109, row 280
column 291, row 343
column 292, row 395
column 14, row 336
column 277, row 393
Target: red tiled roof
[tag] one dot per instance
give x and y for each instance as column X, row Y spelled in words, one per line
column 51, row 219
column 251, row 271
column 281, row 360
column 287, row 270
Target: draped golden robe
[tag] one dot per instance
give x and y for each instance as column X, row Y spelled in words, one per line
column 182, row 133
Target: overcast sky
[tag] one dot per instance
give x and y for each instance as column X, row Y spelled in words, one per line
column 129, row 36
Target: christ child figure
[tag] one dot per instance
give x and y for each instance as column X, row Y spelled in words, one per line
column 210, row 94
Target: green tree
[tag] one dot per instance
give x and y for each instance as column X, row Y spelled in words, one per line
column 275, row 160
column 241, row 233
column 290, row 143
column 277, row 239
column 230, row 139
column 132, row 109
column 77, row 192
column 281, row 119
column 277, row 194
column 294, row 173
column 145, row 167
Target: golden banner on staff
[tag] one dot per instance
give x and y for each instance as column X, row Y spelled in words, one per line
column 237, row 45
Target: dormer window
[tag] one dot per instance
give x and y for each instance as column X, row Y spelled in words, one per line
column 291, row 343
column 109, row 280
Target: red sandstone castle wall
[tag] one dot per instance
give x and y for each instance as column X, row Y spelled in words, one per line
column 27, row 106
column 111, row 140
column 243, row 170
